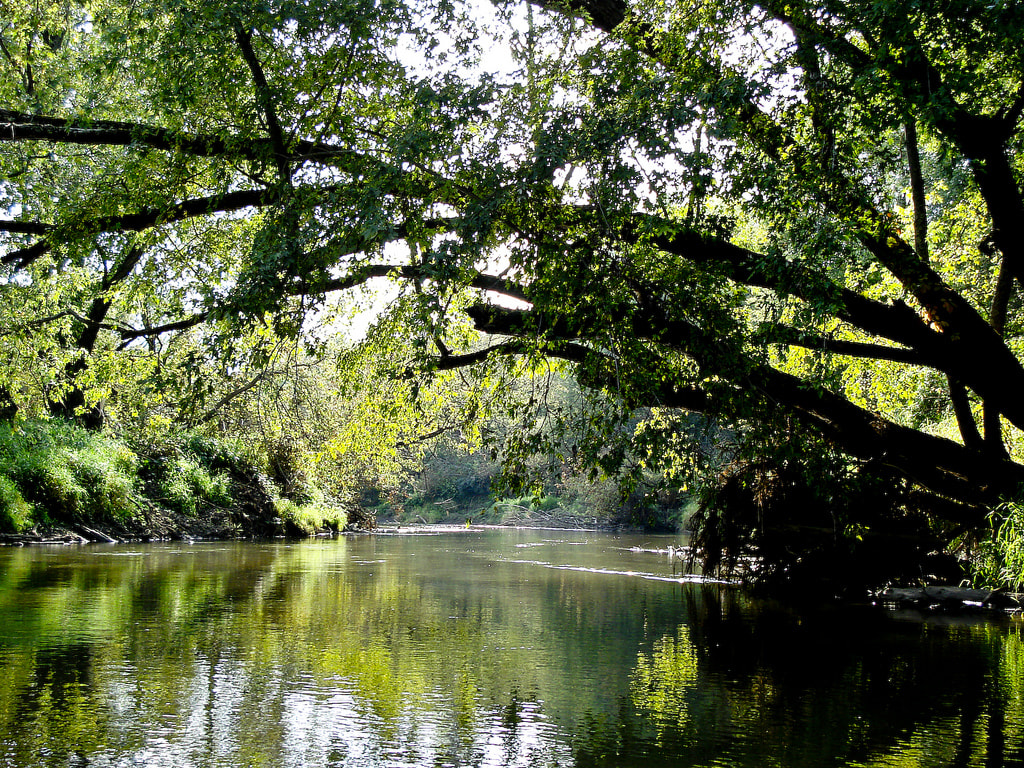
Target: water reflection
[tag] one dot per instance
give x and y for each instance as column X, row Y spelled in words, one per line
column 476, row 649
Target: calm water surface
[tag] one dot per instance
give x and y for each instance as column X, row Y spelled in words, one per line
column 477, row 648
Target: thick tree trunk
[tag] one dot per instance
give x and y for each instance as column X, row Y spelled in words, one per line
column 991, row 418
column 72, row 405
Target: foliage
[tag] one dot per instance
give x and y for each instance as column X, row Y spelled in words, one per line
column 65, row 473
column 999, row 561
column 797, row 515
column 186, row 483
column 307, row 519
column 16, row 514
column 58, row 474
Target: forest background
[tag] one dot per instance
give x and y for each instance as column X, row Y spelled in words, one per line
column 757, row 264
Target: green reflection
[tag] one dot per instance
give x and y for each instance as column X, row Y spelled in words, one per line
column 460, row 651
column 663, row 679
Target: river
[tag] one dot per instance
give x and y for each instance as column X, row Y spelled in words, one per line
column 474, row 648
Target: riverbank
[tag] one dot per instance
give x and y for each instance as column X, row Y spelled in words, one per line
column 61, row 483
column 226, row 530
column 158, row 524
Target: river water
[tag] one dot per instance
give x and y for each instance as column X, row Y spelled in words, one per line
column 474, row 648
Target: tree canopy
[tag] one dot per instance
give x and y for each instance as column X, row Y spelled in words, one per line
column 804, row 219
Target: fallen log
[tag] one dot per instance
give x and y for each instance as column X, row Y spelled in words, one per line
column 950, row 598
column 93, row 535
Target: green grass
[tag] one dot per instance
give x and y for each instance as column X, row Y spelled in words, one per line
column 307, row 519
column 64, row 473
column 54, row 473
column 185, row 484
column 16, row 514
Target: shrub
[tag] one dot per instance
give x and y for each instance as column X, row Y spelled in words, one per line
column 307, row 519
column 106, row 472
column 16, row 514
column 185, row 483
column 66, row 472
column 999, row 560
column 217, row 454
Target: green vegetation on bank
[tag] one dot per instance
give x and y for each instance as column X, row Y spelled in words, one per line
column 453, row 485
column 55, row 474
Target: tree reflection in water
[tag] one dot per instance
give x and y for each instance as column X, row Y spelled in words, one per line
column 387, row 652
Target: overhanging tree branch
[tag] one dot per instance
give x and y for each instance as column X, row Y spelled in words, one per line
column 25, row 227
column 142, row 220
column 265, row 99
column 781, row 334
column 936, row 463
column 972, row 346
column 24, row 127
column 359, row 276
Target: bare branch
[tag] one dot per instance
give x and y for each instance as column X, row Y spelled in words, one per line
column 234, row 394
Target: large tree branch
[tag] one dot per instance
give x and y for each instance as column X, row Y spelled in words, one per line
column 596, row 369
column 264, row 98
column 22, row 126
column 991, row 418
column 976, row 353
column 780, row 334
column 25, row 227
column 917, row 190
column 141, row 220
column 935, row 463
column 895, row 322
column 359, row 275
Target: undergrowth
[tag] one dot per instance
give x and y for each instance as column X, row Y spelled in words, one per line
column 999, row 559
column 307, row 519
column 184, row 484
column 55, row 474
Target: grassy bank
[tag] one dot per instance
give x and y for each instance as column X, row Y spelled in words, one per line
column 56, row 476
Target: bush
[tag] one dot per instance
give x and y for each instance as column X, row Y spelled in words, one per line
column 307, row 519
column 106, row 473
column 217, row 454
column 185, row 483
column 999, row 560
column 16, row 514
column 68, row 472
column 55, row 472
